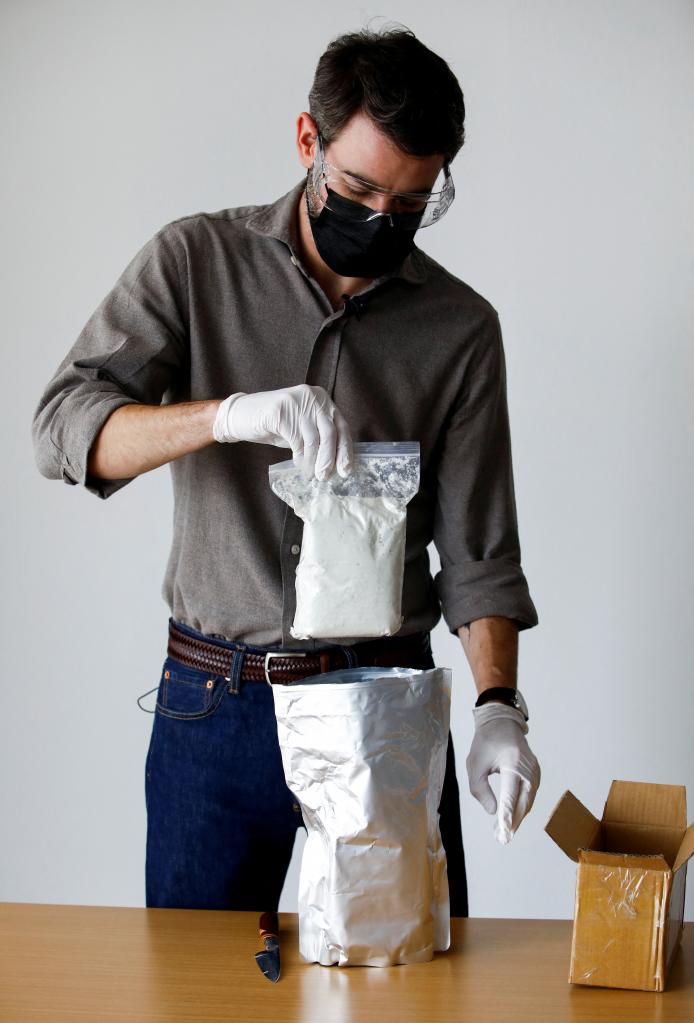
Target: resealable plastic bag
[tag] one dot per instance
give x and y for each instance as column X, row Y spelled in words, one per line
column 364, row 753
column 351, row 566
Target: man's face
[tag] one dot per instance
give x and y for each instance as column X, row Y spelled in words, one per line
column 362, row 150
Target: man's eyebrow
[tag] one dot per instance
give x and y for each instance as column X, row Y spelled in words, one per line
column 374, row 184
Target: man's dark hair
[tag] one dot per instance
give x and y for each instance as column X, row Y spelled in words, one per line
column 407, row 90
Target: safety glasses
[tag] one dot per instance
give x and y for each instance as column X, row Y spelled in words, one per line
column 409, row 210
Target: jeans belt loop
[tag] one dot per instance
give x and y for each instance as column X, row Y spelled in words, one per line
column 234, row 678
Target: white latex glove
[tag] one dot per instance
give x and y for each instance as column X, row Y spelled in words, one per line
column 499, row 744
column 303, row 418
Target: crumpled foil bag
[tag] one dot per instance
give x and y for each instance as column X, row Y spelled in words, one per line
column 364, row 753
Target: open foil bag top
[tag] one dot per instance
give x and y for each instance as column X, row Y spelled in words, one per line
column 364, row 752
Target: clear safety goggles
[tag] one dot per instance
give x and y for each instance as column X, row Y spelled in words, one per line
column 409, row 210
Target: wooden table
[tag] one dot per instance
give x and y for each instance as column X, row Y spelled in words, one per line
column 88, row 964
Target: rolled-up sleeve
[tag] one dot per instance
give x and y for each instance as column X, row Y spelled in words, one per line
column 129, row 352
column 475, row 523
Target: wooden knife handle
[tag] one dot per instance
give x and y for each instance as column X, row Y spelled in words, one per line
column 269, row 926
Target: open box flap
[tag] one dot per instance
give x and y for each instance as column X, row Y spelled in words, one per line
column 572, row 826
column 686, row 848
column 639, row 802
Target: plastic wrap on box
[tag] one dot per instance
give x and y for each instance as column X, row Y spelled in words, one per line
column 620, row 928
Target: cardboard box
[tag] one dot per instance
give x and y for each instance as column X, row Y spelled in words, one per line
column 630, row 882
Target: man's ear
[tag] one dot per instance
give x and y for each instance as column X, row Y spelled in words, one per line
column 306, row 134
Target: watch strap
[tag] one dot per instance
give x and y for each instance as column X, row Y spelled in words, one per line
column 505, row 694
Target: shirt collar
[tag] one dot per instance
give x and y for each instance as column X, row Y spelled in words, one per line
column 278, row 220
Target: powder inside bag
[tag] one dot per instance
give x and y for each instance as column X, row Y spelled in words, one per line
column 350, row 572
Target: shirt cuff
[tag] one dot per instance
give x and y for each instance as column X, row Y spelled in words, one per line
column 79, row 432
column 481, row 589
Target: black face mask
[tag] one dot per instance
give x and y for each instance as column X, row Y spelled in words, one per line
column 359, row 248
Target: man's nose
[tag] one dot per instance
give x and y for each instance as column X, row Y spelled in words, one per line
column 382, row 204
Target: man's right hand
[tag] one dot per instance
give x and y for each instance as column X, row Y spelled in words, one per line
column 303, row 418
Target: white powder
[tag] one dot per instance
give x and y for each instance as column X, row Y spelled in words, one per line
column 350, row 572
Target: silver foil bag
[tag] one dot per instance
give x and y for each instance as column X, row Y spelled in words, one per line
column 364, row 752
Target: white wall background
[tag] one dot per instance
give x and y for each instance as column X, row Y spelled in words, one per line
column 573, row 216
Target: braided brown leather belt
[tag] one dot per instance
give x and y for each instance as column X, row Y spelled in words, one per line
column 275, row 666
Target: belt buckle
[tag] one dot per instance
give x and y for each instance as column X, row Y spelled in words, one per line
column 278, row 653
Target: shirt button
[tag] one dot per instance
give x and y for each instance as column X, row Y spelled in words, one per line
column 294, row 261
column 295, row 548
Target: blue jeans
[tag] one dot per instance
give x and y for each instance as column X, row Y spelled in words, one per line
column 221, row 821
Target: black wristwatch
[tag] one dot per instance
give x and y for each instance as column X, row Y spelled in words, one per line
column 506, row 694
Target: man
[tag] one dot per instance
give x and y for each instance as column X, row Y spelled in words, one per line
column 307, row 324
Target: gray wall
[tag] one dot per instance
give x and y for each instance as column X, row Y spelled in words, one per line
column 573, row 216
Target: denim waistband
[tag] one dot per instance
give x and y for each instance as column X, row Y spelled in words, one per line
column 351, row 651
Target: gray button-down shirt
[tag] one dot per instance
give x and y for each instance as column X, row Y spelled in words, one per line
column 219, row 302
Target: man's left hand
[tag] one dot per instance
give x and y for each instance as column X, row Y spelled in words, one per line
column 499, row 745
